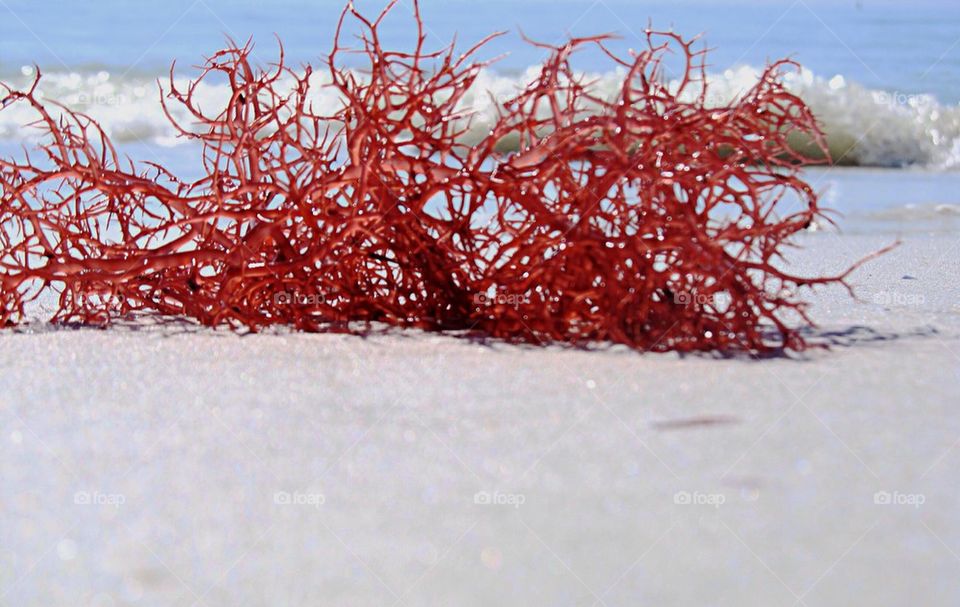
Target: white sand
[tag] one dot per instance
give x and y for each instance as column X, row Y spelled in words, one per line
column 181, row 440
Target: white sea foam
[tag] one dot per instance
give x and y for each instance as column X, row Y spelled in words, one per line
column 917, row 212
column 865, row 127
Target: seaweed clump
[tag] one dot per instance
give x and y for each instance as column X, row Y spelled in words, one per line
column 653, row 218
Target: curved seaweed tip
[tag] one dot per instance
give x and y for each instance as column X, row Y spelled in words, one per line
column 653, row 219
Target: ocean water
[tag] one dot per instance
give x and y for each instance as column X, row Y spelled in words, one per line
column 882, row 76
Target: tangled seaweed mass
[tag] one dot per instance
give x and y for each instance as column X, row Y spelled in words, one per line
column 650, row 219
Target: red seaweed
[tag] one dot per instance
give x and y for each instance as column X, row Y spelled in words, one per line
column 653, row 218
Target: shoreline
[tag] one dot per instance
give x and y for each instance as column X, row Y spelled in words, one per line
column 159, row 467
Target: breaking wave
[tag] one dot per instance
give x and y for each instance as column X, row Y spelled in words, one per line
column 864, row 127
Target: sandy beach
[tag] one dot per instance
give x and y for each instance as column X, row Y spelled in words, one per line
column 167, row 465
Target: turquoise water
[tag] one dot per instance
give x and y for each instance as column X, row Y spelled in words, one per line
column 911, row 47
column 884, row 74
